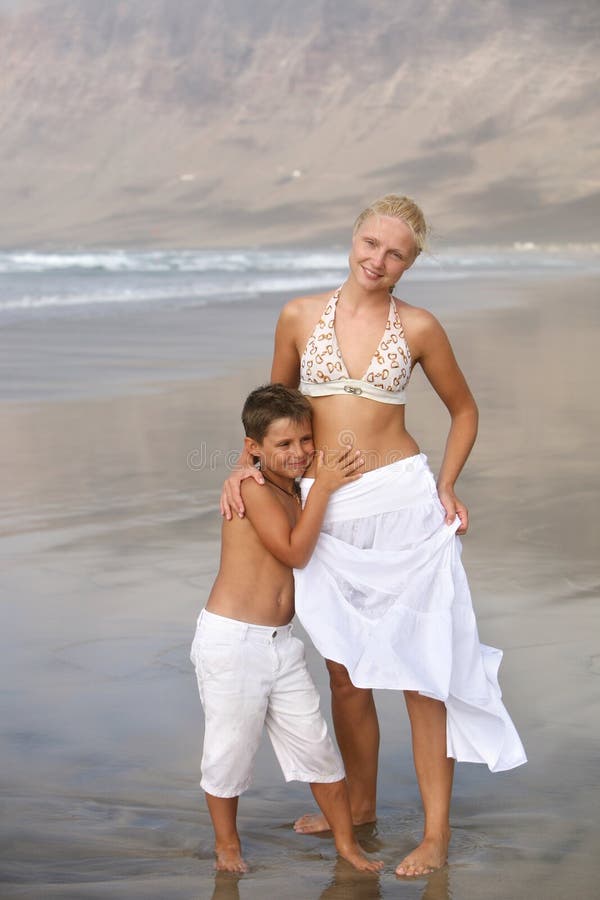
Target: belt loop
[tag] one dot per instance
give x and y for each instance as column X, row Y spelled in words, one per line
column 244, row 631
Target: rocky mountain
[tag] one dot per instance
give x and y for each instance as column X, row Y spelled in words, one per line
column 226, row 122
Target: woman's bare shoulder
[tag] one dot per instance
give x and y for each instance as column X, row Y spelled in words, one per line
column 303, row 307
column 423, row 332
column 417, row 318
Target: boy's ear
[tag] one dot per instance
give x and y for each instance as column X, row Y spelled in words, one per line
column 252, row 446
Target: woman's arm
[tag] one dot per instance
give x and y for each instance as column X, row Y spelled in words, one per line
column 437, row 359
column 286, row 358
column 285, row 370
column 231, row 496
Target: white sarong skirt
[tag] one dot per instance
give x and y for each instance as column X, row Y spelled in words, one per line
column 385, row 594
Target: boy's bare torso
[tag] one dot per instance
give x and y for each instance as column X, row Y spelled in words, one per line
column 252, row 585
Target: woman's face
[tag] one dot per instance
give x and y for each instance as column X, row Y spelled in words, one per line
column 383, row 248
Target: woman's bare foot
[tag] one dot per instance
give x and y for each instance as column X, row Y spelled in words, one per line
column 229, row 859
column 354, row 855
column 431, row 854
column 314, row 823
column 311, row 823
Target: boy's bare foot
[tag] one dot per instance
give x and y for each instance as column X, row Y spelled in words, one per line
column 431, row 854
column 229, row 859
column 314, row 823
column 354, row 855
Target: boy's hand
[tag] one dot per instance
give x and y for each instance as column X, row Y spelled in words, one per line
column 338, row 469
column 231, row 495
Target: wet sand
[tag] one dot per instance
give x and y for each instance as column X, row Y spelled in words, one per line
column 110, row 480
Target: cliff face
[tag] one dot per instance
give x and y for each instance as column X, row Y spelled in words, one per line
column 229, row 121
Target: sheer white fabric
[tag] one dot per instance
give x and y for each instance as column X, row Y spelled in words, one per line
column 386, row 595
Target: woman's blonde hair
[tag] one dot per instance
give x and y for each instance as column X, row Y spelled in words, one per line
column 402, row 208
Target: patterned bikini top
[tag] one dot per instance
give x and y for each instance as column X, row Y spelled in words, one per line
column 323, row 371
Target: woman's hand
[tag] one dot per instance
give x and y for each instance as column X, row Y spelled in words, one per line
column 231, row 495
column 454, row 508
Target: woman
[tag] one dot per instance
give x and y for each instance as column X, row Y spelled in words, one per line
column 384, row 597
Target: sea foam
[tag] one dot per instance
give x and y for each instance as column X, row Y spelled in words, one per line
column 33, row 280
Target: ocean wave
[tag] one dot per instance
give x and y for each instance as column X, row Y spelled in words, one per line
column 174, row 261
column 34, row 280
column 201, row 293
column 227, row 261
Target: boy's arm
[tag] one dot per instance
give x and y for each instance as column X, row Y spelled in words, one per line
column 294, row 546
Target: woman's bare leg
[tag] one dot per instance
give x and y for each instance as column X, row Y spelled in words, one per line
column 434, row 774
column 357, row 733
column 228, row 850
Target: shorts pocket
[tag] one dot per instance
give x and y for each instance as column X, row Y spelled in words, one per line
column 217, row 659
column 299, row 648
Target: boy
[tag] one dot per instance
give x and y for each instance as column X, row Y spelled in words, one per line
column 251, row 670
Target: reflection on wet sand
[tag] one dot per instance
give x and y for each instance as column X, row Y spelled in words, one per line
column 226, row 886
column 348, row 883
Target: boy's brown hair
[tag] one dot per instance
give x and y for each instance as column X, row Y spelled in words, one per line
column 270, row 402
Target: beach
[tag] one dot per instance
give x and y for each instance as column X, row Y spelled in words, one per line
column 117, row 432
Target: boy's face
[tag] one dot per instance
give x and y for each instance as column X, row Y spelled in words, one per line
column 286, row 449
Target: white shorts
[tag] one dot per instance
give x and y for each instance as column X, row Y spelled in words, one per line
column 250, row 676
